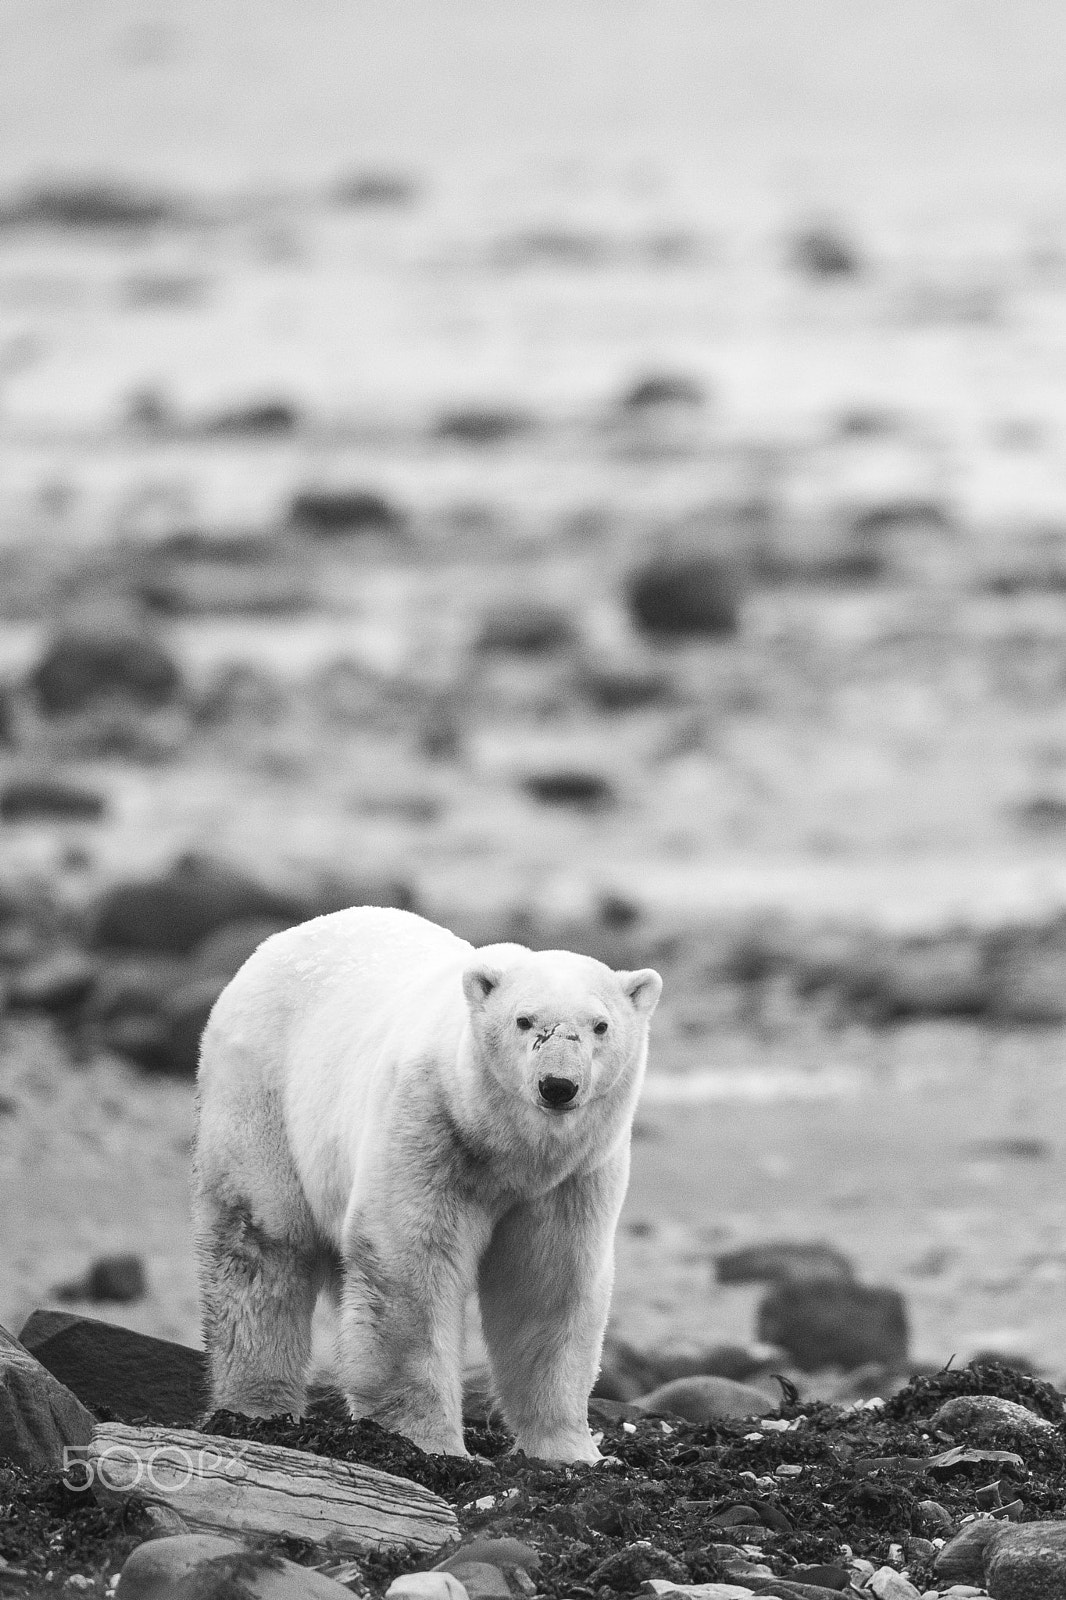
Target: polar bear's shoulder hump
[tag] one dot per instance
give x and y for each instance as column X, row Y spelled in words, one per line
column 382, row 934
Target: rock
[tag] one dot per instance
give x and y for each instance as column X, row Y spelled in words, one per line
column 530, row 628
column 962, row 1559
column 482, row 425
column 823, row 252
column 49, row 799
column 587, row 791
column 435, row 1585
column 1027, row 1561
column 119, row 1278
column 498, row 1552
column 209, row 585
column 677, row 597
column 481, row 1580
column 888, row 1584
column 221, row 1485
column 636, row 1563
column 933, row 1520
column 334, row 513
column 152, row 1568
column 663, row 389
column 164, row 1522
column 88, row 663
column 822, row 1576
column 57, row 982
column 7, row 716
column 704, row 1398
column 200, row 1566
column 697, row 1591
column 934, row 977
column 129, row 1374
column 39, row 1417
column 835, row 1324
column 255, row 419
column 787, row 1589
column 618, row 686
column 784, row 1260
column 172, row 914
column 376, row 189
column 986, row 1419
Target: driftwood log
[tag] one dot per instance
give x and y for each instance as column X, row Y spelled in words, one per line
column 220, row 1485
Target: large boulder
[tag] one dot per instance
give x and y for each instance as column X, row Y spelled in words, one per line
column 823, row 1324
column 689, row 596
column 129, row 1374
column 91, row 662
column 173, row 914
column 39, row 1418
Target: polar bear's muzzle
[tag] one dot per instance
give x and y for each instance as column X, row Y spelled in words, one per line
column 561, row 1067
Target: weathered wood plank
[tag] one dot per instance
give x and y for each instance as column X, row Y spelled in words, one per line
column 234, row 1485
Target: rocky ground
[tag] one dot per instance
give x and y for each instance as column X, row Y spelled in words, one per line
column 861, row 1499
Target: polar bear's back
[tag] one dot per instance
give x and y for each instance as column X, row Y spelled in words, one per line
column 360, row 963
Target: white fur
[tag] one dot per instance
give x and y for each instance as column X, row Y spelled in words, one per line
column 371, row 1123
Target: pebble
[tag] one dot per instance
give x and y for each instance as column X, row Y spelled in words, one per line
column 933, row 1519
column 698, row 1591
column 426, row 1586
column 888, row 1584
column 634, row 1564
column 986, row 1419
column 481, row 1579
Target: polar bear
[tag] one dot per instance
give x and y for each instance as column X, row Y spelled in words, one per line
column 398, row 1118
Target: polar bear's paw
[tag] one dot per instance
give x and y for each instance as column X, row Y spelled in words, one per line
column 568, row 1447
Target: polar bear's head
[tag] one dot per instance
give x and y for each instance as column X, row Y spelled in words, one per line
column 560, row 1029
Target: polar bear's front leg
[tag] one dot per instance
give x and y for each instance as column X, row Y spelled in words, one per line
column 407, row 1274
column 545, row 1291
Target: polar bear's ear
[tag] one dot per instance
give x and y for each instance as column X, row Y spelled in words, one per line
column 643, row 988
column 478, row 984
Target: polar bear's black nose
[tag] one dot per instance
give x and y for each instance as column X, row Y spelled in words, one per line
column 556, row 1091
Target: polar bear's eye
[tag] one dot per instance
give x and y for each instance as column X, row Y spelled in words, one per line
column 599, row 1027
column 525, row 1023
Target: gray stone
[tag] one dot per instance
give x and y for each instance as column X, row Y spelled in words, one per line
column 120, row 1278
column 102, row 659
column 482, row 1580
column 986, row 1419
column 784, row 1259
column 39, row 1417
column 498, row 1552
column 704, row 1398
column 962, row 1559
column 839, row 1324
column 199, row 1566
column 1027, row 1561
column 434, row 1585
column 130, row 1374
column 888, row 1584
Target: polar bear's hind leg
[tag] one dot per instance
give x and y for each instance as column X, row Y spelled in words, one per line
column 258, row 1295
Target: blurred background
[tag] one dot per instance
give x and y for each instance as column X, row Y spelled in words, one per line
column 593, row 473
